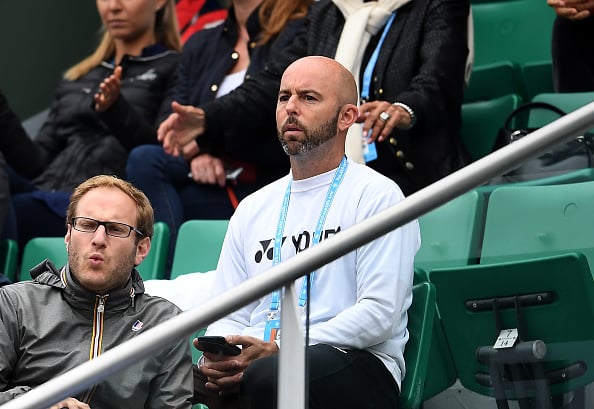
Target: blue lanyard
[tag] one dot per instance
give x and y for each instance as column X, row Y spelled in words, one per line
column 276, row 258
column 368, row 73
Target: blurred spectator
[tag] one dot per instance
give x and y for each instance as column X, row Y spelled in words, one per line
column 213, row 63
column 107, row 104
column 19, row 151
column 410, row 59
column 573, row 59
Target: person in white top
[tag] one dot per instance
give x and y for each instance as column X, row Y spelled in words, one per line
column 358, row 303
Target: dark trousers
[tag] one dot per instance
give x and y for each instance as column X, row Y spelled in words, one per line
column 337, row 379
column 573, row 55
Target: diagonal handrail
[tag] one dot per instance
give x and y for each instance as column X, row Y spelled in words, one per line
column 417, row 204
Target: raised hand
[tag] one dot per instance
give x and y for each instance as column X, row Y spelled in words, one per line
column 182, row 126
column 109, row 90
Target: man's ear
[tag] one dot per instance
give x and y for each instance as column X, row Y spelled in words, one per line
column 142, row 249
column 67, row 236
column 348, row 116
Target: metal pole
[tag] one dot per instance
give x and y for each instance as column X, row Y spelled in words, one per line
column 311, row 259
column 291, row 365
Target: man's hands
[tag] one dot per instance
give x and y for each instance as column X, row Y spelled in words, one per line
column 208, row 170
column 572, row 9
column 70, row 403
column 181, row 127
column 109, row 90
column 224, row 373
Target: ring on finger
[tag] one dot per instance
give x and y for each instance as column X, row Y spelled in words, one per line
column 384, row 116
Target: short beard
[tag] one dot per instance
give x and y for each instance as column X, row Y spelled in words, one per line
column 313, row 138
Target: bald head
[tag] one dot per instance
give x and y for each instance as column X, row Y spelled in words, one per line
column 329, row 73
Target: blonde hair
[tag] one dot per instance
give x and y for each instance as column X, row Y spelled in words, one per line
column 145, row 218
column 166, row 33
column 275, row 14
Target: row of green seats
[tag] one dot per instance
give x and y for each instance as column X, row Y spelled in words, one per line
column 512, row 45
column 536, row 250
column 481, row 120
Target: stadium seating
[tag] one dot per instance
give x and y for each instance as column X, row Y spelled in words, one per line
column 40, row 248
column 197, row 249
column 495, row 80
column 450, row 233
column 482, row 120
column 512, row 45
column 198, row 246
column 416, row 355
column 9, row 251
column 548, row 300
column 567, row 102
column 530, row 221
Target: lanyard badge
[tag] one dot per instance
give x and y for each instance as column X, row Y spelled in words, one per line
column 369, row 149
column 272, row 329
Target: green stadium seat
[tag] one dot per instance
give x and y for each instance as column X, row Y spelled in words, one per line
column 197, row 249
column 198, row 246
column 494, row 80
column 518, row 31
column 153, row 266
column 537, row 221
column 416, row 354
column 556, row 294
column 482, row 120
column 449, row 237
column 567, row 102
column 450, row 233
column 9, row 251
column 537, row 77
column 38, row 249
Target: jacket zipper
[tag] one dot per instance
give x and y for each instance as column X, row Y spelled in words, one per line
column 97, row 339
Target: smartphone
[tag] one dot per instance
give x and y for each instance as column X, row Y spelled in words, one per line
column 218, row 345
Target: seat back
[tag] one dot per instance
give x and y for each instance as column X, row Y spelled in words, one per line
column 537, row 77
column 495, row 80
column 9, row 252
column 197, row 249
column 38, row 249
column 416, row 354
column 450, row 233
column 557, row 298
column 198, row 246
column 482, row 120
column 518, row 31
column 569, row 101
column 529, row 221
column 153, row 266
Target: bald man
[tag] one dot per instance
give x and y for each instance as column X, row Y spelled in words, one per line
column 358, row 303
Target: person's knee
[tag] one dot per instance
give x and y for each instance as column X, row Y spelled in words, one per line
column 142, row 159
column 144, row 155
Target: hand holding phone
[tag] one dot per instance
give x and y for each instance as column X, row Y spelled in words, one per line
column 218, row 345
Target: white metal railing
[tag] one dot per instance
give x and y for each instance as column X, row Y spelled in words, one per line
column 417, row 204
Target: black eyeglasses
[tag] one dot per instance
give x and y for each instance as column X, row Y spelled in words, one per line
column 115, row 229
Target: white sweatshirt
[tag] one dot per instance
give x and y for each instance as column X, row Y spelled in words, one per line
column 358, row 301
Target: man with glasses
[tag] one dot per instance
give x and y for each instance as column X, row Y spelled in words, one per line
column 65, row 317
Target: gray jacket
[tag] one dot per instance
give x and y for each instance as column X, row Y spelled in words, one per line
column 51, row 325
